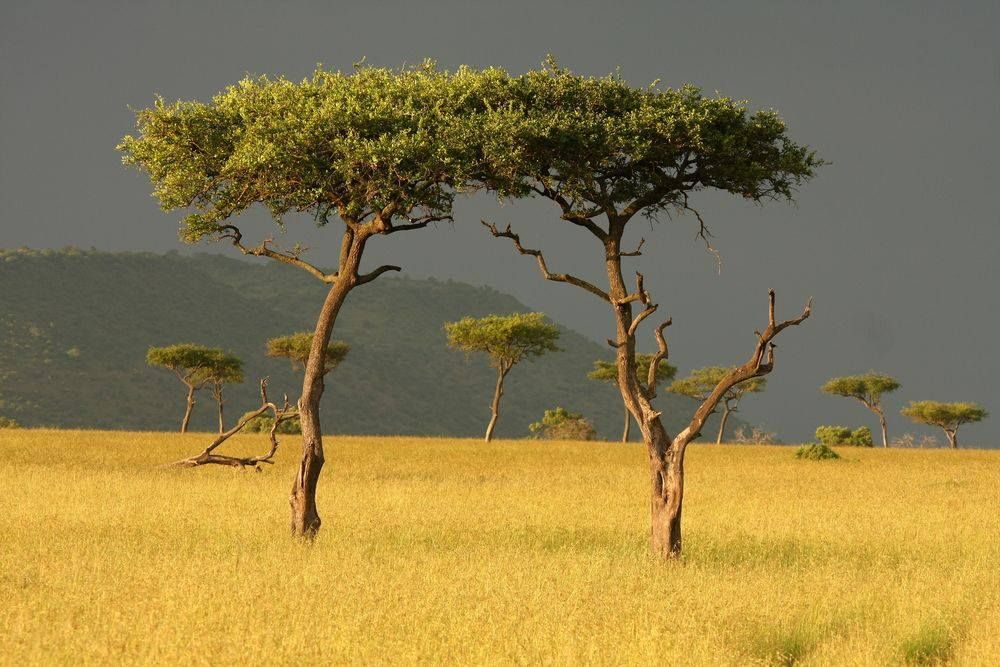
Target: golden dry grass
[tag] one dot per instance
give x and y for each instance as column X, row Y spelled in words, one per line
column 517, row 552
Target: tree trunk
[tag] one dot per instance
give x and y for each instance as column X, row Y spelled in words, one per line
column 188, row 409
column 885, row 429
column 305, row 520
column 665, row 455
column 722, row 424
column 952, row 438
column 495, row 406
column 666, row 478
column 628, row 426
column 220, row 401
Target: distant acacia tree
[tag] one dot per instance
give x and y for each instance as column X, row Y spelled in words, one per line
column 607, row 371
column 224, row 369
column 191, row 364
column 507, row 340
column 296, row 348
column 702, row 381
column 948, row 416
column 384, row 151
column 868, row 389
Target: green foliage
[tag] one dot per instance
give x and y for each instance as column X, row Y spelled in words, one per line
column 295, row 347
column 560, row 424
column 366, row 142
column 507, row 339
column 6, row 422
column 197, row 364
column 601, row 141
column 607, row 371
column 816, row 453
column 262, row 424
column 701, row 381
column 841, row 435
column 948, row 416
column 867, row 388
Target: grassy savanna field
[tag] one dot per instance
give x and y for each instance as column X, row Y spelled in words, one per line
column 517, row 552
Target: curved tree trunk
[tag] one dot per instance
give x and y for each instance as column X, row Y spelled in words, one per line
column 495, row 406
column 885, row 428
column 305, row 520
column 722, row 424
column 217, row 391
column 628, row 426
column 188, row 409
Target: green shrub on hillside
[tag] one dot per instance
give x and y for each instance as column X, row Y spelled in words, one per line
column 6, row 422
column 262, row 424
column 816, row 453
column 833, row 436
column 561, row 424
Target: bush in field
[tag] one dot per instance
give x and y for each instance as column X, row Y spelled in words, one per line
column 7, row 422
column 816, row 453
column 832, row 436
column 262, row 424
column 910, row 441
column 561, row 424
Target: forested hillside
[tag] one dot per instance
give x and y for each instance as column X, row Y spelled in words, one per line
column 75, row 326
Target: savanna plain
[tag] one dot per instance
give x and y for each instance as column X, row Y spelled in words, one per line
column 453, row 551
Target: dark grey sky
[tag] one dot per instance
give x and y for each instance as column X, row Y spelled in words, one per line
column 898, row 239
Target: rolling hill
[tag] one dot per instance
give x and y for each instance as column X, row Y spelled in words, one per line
column 75, row 326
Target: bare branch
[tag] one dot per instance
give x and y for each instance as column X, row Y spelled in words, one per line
column 704, row 234
column 208, row 455
column 537, row 254
column 646, row 312
column 233, row 233
column 635, row 253
column 760, row 363
column 368, row 277
column 661, row 354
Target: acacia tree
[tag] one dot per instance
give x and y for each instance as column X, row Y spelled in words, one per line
column 868, row 389
column 607, row 154
column 702, row 381
column 607, row 371
column 223, row 369
column 190, row 363
column 507, row 340
column 381, row 150
column 296, row 348
column 948, row 416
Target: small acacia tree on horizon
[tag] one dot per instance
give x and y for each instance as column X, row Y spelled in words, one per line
column 868, row 389
column 224, row 369
column 382, row 151
column 607, row 154
column 507, row 340
column 700, row 383
column 191, row 363
column 948, row 416
column 607, row 371
column 296, row 348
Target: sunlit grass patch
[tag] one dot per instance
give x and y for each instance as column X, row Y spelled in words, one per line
column 437, row 550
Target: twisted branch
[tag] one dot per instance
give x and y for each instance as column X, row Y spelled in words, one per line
column 537, row 254
column 208, row 455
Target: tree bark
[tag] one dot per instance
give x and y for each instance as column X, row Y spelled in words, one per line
column 305, row 519
column 628, row 426
column 722, row 424
column 220, row 401
column 952, row 437
column 885, row 428
column 188, row 409
column 495, row 406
